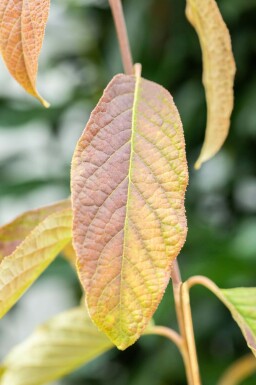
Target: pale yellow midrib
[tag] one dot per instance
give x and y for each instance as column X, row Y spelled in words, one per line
column 134, row 107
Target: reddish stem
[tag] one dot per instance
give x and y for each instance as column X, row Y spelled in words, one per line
column 118, row 16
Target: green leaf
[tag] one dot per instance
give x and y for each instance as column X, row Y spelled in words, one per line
column 129, row 176
column 45, row 233
column 55, row 349
column 240, row 301
column 242, row 304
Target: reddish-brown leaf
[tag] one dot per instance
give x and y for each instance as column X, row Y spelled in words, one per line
column 129, row 176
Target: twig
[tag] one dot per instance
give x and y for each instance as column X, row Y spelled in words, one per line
column 239, row 371
column 201, row 280
column 177, row 284
column 168, row 333
column 118, row 16
column 189, row 331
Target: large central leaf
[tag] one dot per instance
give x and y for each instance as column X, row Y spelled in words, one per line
column 129, row 176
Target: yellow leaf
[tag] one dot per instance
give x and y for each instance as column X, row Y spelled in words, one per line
column 129, row 176
column 46, row 232
column 56, row 348
column 13, row 233
column 22, row 26
column 69, row 254
column 218, row 73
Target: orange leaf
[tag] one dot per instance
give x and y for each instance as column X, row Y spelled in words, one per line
column 129, row 176
column 22, row 26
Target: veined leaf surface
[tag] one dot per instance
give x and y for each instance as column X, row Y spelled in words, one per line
column 56, row 348
column 129, row 175
column 22, row 26
column 13, row 233
column 41, row 244
column 218, row 72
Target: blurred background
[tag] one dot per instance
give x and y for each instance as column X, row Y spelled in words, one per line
column 79, row 57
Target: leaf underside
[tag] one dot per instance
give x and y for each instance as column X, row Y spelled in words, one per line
column 22, row 27
column 28, row 245
column 218, row 73
column 129, row 175
column 55, row 349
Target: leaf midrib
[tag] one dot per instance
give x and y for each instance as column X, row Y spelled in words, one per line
column 134, row 120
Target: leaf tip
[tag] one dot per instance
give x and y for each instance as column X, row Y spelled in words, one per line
column 198, row 164
column 43, row 101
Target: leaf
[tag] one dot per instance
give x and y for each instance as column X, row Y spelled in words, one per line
column 30, row 258
column 242, row 304
column 56, row 348
column 129, row 175
column 218, row 73
column 12, row 234
column 69, row 254
column 22, row 26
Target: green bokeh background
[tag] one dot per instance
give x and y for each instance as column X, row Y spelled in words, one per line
column 79, row 57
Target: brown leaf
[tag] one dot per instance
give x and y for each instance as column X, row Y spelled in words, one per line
column 22, row 26
column 218, row 72
column 129, row 175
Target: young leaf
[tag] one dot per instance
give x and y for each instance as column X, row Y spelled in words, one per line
column 56, row 348
column 218, row 72
column 129, row 175
column 22, row 26
column 30, row 258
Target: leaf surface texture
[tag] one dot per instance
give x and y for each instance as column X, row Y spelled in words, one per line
column 55, row 349
column 218, row 72
column 22, row 27
column 28, row 245
column 129, row 175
